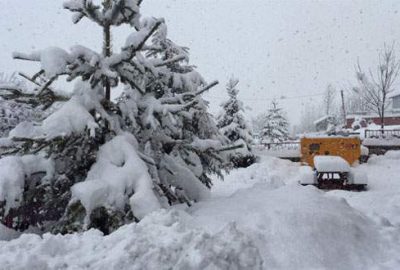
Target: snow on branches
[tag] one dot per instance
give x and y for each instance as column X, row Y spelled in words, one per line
column 112, row 12
column 116, row 160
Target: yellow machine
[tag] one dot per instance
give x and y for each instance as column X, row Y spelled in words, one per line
column 347, row 148
column 330, row 160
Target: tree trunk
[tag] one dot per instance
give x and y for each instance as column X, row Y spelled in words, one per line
column 383, row 112
column 382, row 119
column 107, row 53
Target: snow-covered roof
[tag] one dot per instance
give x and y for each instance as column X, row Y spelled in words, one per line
column 331, row 164
column 326, row 117
column 394, row 94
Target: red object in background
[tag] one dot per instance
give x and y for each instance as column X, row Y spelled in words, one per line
column 389, row 121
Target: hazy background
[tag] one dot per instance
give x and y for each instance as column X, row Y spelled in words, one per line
column 291, row 49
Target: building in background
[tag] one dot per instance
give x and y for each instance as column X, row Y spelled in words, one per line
column 392, row 114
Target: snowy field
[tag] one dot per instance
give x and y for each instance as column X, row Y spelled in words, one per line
column 258, row 218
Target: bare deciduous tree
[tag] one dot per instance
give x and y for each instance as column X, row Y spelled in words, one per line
column 329, row 99
column 374, row 87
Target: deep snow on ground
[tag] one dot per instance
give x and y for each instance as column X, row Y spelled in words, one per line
column 258, row 218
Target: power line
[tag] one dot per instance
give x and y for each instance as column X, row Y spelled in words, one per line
column 269, row 99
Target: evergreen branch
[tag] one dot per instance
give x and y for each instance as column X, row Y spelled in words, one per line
column 229, row 148
column 205, row 89
column 171, row 61
column 46, row 85
column 147, row 159
column 23, row 75
column 26, row 57
column 133, row 51
column 186, row 97
column 46, row 98
column 37, row 75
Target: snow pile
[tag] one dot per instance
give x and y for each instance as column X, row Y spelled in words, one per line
column 364, row 151
column 7, row 234
column 382, row 200
column 393, row 155
column 306, row 175
column 13, row 171
column 258, row 218
column 331, row 164
column 297, row 227
column 358, row 177
column 268, row 171
column 118, row 174
column 163, row 240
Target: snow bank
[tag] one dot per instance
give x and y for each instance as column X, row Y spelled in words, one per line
column 297, row 227
column 7, row 234
column 162, row 240
column 118, row 174
column 382, row 200
column 258, row 218
column 13, row 171
column 392, row 154
column 306, row 175
column 271, row 171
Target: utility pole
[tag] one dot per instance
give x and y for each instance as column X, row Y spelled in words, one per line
column 343, row 107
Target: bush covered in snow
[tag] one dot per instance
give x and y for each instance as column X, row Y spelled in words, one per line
column 112, row 161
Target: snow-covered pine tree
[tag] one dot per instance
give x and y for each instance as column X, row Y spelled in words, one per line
column 232, row 124
column 98, row 163
column 276, row 125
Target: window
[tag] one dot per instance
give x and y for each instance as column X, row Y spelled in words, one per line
column 396, row 103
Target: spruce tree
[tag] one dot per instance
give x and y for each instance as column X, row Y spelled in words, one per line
column 276, row 125
column 232, row 124
column 95, row 162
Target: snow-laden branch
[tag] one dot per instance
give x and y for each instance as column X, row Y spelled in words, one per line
column 114, row 13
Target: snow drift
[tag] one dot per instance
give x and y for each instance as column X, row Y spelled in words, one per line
column 258, row 218
column 162, row 240
column 297, row 227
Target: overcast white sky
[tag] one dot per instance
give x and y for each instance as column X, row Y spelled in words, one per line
column 276, row 48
